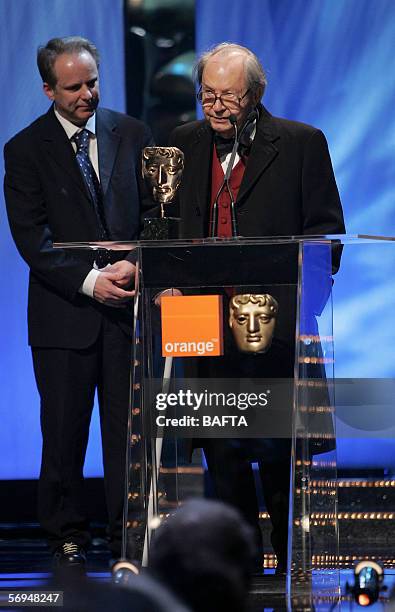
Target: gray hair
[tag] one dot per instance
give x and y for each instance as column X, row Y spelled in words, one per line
column 46, row 56
column 254, row 72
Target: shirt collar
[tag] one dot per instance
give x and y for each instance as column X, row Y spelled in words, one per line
column 72, row 129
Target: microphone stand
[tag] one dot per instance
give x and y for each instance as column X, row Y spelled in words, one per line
column 225, row 183
column 229, row 169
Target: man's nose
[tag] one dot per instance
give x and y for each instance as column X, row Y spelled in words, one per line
column 218, row 105
column 252, row 325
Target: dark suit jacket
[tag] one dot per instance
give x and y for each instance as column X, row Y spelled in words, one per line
column 288, row 189
column 288, row 186
column 47, row 201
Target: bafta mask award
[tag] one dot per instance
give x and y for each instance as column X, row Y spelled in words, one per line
column 252, row 319
column 162, row 169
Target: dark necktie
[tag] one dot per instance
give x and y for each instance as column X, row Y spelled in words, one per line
column 223, row 146
column 89, row 175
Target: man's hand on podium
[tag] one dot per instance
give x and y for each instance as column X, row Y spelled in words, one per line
column 112, row 283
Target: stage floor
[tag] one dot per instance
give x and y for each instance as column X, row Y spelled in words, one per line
column 366, row 513
column 26, row 565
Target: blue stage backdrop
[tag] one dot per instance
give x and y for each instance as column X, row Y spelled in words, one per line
column 24, row 25
column 330, row 63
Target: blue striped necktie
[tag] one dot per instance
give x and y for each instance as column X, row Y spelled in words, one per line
column 89, row 175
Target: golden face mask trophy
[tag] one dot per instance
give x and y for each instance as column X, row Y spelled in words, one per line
column 162, row 169
column 252, row 319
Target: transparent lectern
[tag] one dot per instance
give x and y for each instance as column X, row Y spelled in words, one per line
column 294, row 376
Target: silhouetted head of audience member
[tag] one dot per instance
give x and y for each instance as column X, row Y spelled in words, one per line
column 204, row 553
column 141, row 593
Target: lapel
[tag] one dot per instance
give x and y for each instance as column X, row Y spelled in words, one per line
column 263, row 151
column 108, row 140
column 59, row 149
column 202, row 147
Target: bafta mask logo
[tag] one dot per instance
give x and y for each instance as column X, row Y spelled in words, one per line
column 252, row 319
column 162, row 169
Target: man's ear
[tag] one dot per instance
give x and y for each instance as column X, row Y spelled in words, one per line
column 49, row 91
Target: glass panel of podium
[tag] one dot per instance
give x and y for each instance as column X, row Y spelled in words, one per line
column 273, row 398
column 294, row 378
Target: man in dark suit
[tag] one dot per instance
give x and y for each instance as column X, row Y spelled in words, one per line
column 73, row 176
column 282, row 183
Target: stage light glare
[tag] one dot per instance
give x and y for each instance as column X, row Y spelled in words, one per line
column 364, row 600
column 368, row 582
column 124, row 572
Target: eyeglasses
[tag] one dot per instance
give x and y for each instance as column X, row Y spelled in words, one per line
column 209, row 98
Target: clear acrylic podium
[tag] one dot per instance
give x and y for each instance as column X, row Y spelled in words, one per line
column 297, row 271
column 298, row 274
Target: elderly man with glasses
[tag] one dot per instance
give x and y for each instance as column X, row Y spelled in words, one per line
column 281, row 183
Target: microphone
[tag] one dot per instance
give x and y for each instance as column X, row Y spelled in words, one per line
column 229, row 168
column 251, row 117
column 214, row 213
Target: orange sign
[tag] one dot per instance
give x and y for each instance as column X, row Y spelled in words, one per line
column 191, row 326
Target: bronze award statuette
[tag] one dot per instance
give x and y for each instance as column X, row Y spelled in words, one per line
column 162, row 169
column 252, row 319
